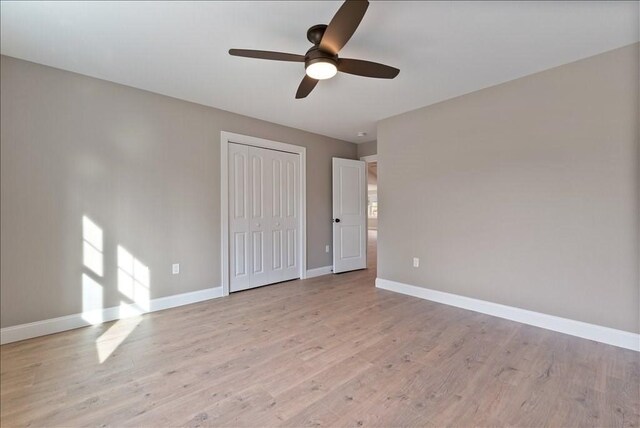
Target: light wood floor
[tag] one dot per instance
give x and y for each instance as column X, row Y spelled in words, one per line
column 331, row 350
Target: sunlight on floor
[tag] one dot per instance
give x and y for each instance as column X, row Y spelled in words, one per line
column 114, row 336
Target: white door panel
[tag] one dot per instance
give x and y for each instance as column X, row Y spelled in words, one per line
column 240, row 264
column 289, row 222
column 260, row 196
column 350, row 241
column 278, row 250
column 239, row 216
column 270, row 221
column 349, row 215
column 277, row 197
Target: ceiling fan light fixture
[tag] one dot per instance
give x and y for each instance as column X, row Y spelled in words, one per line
column 321, row 68
column 321, row 61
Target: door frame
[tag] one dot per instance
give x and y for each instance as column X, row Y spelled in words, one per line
column 229, row 137
column 370, row 159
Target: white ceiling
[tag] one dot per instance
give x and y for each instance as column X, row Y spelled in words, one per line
column 443, row 49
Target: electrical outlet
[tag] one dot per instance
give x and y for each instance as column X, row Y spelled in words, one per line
column 327, row 249
column 175, row 268
column 416, row 262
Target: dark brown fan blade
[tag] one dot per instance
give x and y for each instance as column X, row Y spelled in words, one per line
column 367, row 68
column 343, row 25
column 306, row 86
column 276, row 56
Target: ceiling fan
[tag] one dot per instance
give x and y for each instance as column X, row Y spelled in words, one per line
column 322, row 61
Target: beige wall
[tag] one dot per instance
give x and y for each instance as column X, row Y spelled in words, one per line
column 367, row 149
column 524, row 194
column 143, row 167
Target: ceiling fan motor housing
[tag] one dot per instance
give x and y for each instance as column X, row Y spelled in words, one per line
column 314, row 55
column 315, row 33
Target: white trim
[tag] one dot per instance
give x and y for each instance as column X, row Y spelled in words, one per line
column 369, row 159
column 324, row 270
column 70, row 322
column 620, row 338
column 225, row 139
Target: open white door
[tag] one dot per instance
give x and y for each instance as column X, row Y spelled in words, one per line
column 349, row 215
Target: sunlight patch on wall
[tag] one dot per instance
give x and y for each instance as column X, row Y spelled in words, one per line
column 133, row 279
column 128, row 310
column 92, row 297
column 92, row 257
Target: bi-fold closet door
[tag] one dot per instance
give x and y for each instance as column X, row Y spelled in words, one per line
column 264, row 222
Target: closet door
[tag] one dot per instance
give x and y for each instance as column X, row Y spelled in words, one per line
column 264, row 218
column 259, row 221
column 284, row 215
column 239, row 244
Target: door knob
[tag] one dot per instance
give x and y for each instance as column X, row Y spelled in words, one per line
column 337, row 220
column 277, row 223
column 257, row 224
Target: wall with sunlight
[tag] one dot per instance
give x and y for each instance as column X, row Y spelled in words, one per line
column 105, row 186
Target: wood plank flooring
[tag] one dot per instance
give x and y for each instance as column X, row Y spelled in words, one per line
column 328, row 351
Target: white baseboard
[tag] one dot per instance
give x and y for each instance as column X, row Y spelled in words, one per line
column 69, row 322
column 325, row 270
column 610, row 336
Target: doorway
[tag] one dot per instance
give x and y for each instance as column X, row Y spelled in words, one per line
column 372, row 209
